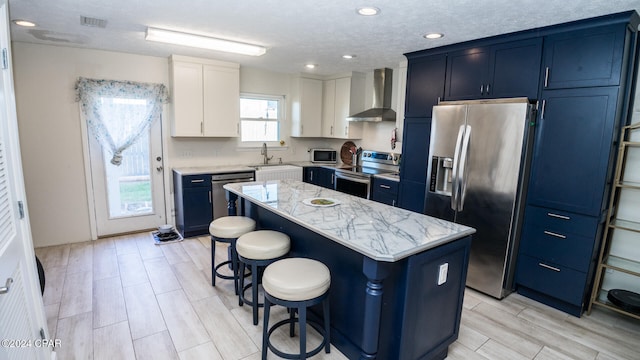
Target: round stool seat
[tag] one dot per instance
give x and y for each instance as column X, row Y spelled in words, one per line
column 231, row 227
column 296, row 279
column 263, row 245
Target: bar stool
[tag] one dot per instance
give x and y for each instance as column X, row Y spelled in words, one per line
column 257, row 249
column 227, row 229
column 296, row 283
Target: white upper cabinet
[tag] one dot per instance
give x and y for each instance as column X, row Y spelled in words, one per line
column 306, row 114
column 342, row 97
column 205, row 97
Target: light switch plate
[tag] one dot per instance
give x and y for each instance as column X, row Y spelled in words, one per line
column 442, row 273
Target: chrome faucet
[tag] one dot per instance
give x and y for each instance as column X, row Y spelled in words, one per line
column 265, row 158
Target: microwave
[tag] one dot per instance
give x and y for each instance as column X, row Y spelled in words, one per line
column 324, row 156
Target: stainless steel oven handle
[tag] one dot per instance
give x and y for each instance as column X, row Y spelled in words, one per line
column 352, row 178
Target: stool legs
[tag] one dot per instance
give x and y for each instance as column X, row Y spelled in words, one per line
column 327, row 326
column 301, row 309
column 233, row 261
column 265, row 328
column 213, row 261
column 234, row 265
column 302, row 320
column 255, row 282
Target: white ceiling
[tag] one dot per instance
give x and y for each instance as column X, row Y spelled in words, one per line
column 296, row 32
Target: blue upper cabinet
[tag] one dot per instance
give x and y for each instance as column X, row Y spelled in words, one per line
column 503, row 70
column 574, row 143
column 425, row 85
column 585, row 58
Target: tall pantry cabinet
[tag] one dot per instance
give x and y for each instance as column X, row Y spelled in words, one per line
column 586, row 83
column 580, row 74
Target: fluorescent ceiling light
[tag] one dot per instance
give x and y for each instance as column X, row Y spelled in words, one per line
column 204, row 42
column 310, row 66
column 348, row 57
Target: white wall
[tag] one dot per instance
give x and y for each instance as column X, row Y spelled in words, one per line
column 50, row 135
column 51, row 138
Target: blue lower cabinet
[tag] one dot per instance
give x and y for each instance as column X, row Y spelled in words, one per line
column 385, row 191
column 556, row 258
column 552, row 284
column 192, row 198
column 560, row 237
column 318, row 175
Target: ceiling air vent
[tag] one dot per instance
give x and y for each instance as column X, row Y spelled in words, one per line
column 93, row 22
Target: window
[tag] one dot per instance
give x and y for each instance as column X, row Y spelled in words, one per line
column 260, row 117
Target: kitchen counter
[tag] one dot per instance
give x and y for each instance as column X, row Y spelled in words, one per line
column 221, row 169
column 397, row 277
column 375, row 230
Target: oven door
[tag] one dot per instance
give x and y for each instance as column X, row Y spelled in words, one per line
column 352, row 185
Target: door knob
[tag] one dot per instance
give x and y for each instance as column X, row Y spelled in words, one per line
column 159, row 168
column 5, row 289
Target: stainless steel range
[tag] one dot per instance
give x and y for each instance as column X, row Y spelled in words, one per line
column 356, row 180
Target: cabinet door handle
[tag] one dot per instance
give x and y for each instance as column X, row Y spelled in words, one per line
column 481, row 89
column 385, row 186
column 544, row 104
column 557, row 216
column 487, row 89
column 311, row 176
column 393, row 202
column 333, row 176
column 546, row 77
column 197, row 181
column 549, row 267
column 210, row 197
column 550, row 233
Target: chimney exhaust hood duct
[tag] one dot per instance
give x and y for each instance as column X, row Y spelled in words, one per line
column 381, row 107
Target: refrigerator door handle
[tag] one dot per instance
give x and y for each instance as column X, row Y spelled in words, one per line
column 463, row 165
column 454, row 175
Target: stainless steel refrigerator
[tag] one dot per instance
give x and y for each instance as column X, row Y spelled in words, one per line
column 479, row 158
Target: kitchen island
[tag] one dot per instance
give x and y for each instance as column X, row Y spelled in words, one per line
column 397, row 277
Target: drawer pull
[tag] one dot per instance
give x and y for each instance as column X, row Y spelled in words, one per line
column 385, row 186
column 559, row 216
column 549, row 267
column 197, row 181
column 555, row 234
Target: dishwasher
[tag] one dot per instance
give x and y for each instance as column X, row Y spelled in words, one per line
column 219, row 200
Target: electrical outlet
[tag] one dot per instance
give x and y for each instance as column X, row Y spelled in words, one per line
column 442, row 273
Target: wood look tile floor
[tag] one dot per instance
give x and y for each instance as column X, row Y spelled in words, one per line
column 126, row 298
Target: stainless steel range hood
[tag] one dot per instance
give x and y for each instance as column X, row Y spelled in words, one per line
column 381, row 107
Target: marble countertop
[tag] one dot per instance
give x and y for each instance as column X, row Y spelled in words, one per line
column 219, row 169
column 378, row 231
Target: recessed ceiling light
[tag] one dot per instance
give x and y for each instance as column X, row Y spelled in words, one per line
column 433, row 36
column 368, row 11
column 348, row 56
column 24, row 23
column 310, row 66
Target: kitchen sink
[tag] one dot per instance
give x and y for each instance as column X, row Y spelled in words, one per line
column 274, row 167
column 278, row 172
